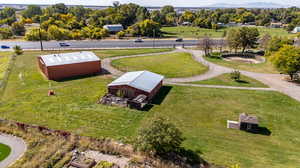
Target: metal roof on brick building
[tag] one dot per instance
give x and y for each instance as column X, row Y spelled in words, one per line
column 143, row 80
column 69, row 58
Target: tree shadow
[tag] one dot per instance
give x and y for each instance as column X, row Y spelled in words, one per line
column 242, row 81
column 261, row 130
column 162, row 94
column 186, row 157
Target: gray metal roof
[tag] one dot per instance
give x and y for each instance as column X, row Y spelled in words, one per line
column 69, row 58
column 143, row 80
column 114, row 28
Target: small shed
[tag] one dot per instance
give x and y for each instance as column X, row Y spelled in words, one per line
column 248, row 122
column 66, row 65
column 133, row 84
column 114, row 28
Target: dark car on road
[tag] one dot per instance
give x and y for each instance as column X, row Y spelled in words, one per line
column 4, row 47
column 139, row 40
column 64, row 44
column 179, row 40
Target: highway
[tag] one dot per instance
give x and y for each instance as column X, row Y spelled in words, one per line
column 94, row 44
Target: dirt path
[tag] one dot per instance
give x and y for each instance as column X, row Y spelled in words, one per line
column 18, row 148
column 274, row 81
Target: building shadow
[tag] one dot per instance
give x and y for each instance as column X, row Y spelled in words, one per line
column 261, row 130
column 161, row 95
column 105, row 72
column 78, row 77
column 159, row 98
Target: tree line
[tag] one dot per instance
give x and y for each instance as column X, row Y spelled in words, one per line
column 80, row 23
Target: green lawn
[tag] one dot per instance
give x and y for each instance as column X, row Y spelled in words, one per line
column 194, row 32
column 190, row 32
column 171, row 65
column 4, row 59
column 4, row 151
column 266, row 67
column 123, row 52
column 201, row 113
column 227, row 81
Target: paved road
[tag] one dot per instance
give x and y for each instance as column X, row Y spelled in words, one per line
column 99, row 44
column 18, row 148
column 221, row 86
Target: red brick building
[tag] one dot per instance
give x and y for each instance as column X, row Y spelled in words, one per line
column 66, row 65
column 132, row 84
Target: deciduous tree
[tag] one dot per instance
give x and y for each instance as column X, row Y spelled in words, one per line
column 287, row 60
column 160, row 137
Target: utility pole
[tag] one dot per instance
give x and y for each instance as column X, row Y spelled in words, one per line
column 41, row 42
column 40, row 34
column 153, row 38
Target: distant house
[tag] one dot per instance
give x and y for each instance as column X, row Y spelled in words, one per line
column 296, row 30
column 133, row 84
column 65, row 65
column 114, row 28
column 276, row 25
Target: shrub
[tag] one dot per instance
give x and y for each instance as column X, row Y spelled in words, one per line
column 18, row 50
column 5, row 33
column 57, row 33
column 18, row 29
column 160, row 137
column 34, row 35
column 235, row 75
column 121, row 34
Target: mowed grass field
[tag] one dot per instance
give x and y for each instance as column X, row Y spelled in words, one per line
column 170, row 65
column 227, row 81
column 194, row 32
column 4, row 151
column 122, row 52
column 265, row 67
column 4, row 60
column 200, row 113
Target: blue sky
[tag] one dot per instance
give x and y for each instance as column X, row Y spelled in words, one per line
column 197, row 3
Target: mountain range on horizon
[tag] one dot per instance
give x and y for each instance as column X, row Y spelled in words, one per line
column 250, row 5
column 215, row 5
